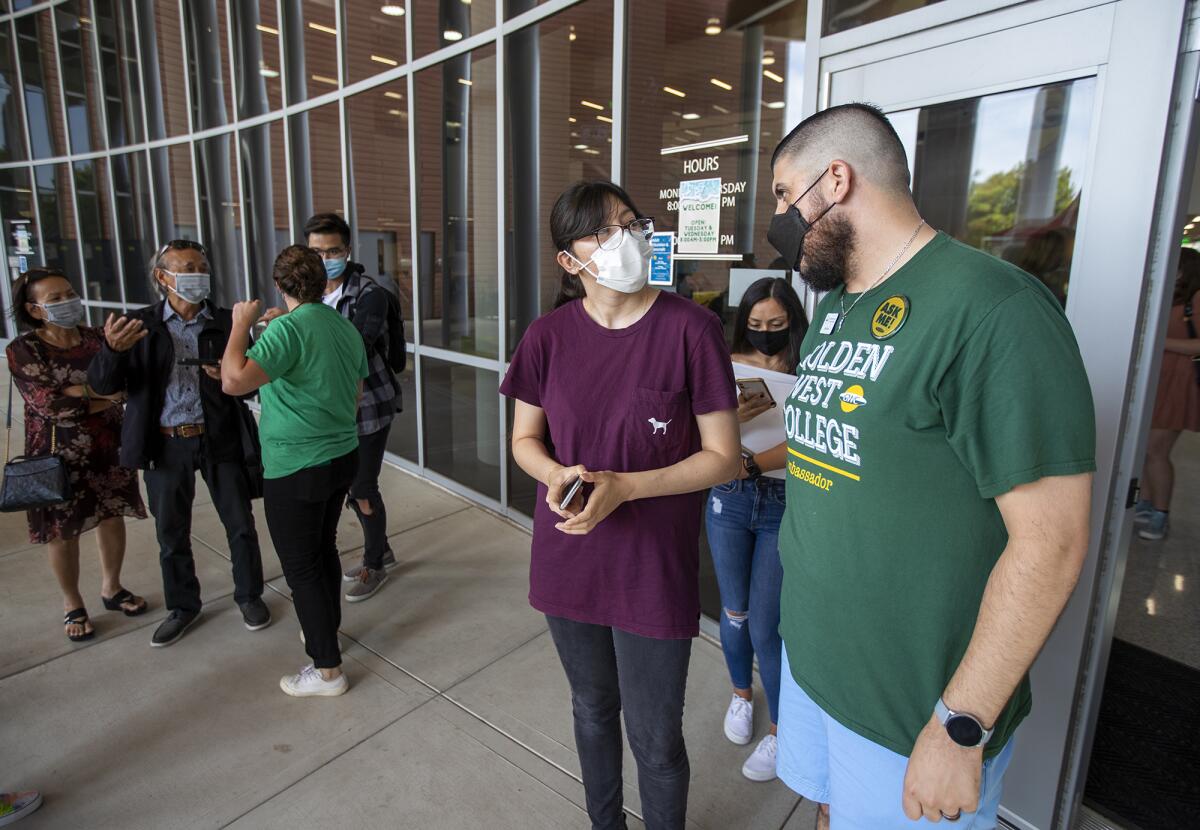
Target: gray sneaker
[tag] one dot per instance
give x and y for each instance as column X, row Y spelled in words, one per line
column 353, row 574
column 369, row 581
column 1157, row 528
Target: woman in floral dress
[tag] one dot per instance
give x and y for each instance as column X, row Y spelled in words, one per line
column 49, row 365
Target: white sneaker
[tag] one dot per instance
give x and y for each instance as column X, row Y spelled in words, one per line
column 760, row 766
column 739, row 721
column 309, row 683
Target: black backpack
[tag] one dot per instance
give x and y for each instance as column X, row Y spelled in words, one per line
column 396, row 352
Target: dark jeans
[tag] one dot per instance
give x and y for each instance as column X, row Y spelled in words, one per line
column 366, row 486
column 302, row 515
column 171, row 487
column 609, row 671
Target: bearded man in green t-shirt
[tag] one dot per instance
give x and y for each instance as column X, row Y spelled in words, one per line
column 940, row 446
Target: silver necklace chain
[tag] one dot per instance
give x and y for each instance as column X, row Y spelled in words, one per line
column 874, row 285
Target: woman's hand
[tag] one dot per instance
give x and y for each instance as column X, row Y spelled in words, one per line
column 556, row 487
column 609, row 491
column 246, row 314
column 751, row 407
column 78, row 390
column 271, row 313
column 121, row 333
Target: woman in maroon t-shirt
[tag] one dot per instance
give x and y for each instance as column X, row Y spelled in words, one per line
column 633, row 390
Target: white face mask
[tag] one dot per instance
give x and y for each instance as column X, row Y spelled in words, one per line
column 625, row 268
column 191, row 287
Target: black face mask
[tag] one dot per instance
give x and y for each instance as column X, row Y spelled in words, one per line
column 769, row 343
column 788, row 229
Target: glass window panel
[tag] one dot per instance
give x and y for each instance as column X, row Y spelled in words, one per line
column 60, row 244
column 39, row 73
column 442, row 24
column 119, row 68
column 208, row 63
column 553, row 140
column 316, row 163
column 841, row 15
column 378, row 121
column 96, row 316
column 264, row 181
column 1004, row 173
column 77, row 57
column 456, row 207
column 221, row 216
column 462, row 428
column 96, row 230
column 522, row 487
column 12, row 135
column 512, row 8
column 374, row 37
column 16, row 201
column 17, row 5
column 135, row 220
column 316, row 32
column 174, row 193
column 256, row 44
column 741, row 86
column 402, row 440
column 166, row 93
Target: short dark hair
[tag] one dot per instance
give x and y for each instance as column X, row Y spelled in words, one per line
column 771, row 288
column 859, row 134
column 327, row 223
column 1188, row 282
column 579, row 210
column 20, row 295
column 300, row 273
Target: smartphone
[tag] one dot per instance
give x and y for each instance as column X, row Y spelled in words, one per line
column 751, row 387
column 200, row 361
column 572, row 492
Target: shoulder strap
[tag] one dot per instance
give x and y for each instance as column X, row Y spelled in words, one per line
column 8, row 420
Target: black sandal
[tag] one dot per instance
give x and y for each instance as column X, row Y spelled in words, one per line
column 79, row 617
column 121, row 598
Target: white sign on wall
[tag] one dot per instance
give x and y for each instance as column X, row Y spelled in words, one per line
column 699, row 216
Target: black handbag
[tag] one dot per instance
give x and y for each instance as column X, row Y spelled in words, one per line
column 40, row 481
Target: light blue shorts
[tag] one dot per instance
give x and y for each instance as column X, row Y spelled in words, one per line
column 862, row 781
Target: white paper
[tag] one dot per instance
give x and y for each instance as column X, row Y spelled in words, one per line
column 699, row 216
column 766, row 431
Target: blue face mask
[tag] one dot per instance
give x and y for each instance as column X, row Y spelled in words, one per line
column 334, row 268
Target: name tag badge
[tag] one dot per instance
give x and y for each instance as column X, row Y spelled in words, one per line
column 830, row 322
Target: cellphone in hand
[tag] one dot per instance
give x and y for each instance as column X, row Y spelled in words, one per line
column 755, row 387
column 572, row 491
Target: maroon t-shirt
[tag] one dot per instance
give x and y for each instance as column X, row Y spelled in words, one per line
column 624, row 400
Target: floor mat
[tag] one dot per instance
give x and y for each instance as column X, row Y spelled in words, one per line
column 1145, row 768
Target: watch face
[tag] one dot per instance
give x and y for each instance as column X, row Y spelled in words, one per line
column 964, row 731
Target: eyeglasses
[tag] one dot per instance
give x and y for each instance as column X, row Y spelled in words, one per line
column 609, row 237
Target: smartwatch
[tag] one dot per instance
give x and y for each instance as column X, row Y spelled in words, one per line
column 964, row 729
column 748, row 463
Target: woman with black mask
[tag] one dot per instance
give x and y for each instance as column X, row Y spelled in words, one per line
column 743, row 515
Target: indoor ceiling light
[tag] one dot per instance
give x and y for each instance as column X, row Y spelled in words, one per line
column 581, row 146
column 768, row 58
column 571, row 118
column 395, row 95
column 775, row 105
column 392, row 10
column 720, row 83
column 452, row 35
column 383, row 60
column 267, row 30
column 670, row 90
column 590, row 104
column 267, row 72
column 323, row 79
column 592, row 152
column 393, row 112
column 571, row 36
column 604, row 118
column 321, row 28
column 776, row 78
column 720, row 109
column 692, row 132
column 464, row 81
column 713, row 27
column 690, row 116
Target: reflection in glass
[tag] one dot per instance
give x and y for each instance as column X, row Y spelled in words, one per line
column 208, row 62
column 712, row 107
column 135, row 220
column 16, row 202
column 402, row 440
column 446, row 22
column 12, row 135
column 162, row 68
column 220, row 217
column 256, row 52
column 60, row 247
column 97, row 231
column 311, row 47
column 456, row 157
column 462, row 428
column 119, row 70
column 522, row 487
column 841, row 15
column 174, row 193
column 316, row 139
column 378, row 153
column 264, row 182
column 79, row 77
column 374, row 37
column 553, row 140
column 1004, row 173
column 39, row 76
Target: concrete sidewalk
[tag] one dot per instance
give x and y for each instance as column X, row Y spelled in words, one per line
column 458, row 714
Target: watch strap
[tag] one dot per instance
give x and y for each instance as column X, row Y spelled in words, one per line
column 944, row 713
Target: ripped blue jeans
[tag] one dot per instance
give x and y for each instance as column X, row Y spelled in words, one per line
column 743, row 519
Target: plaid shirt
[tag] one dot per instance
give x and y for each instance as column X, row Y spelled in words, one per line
column 381, row 392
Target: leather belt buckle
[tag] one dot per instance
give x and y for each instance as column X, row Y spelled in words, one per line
column 184, row 431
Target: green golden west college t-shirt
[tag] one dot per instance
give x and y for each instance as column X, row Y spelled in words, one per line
column 315, row 359
column 955, row 381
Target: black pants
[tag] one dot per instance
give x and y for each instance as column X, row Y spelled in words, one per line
column 366, row 486
column 610, row 671
column 171, row 487
column 302, row 514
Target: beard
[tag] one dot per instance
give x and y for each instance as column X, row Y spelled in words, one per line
column 825, row 252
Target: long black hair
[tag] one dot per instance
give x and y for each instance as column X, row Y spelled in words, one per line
column 582, row 208
column 779, row 289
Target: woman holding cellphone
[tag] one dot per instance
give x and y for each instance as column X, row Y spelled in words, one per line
column 634, row 390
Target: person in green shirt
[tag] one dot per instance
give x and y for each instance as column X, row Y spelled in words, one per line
column 940, row 446
column 308, row 366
